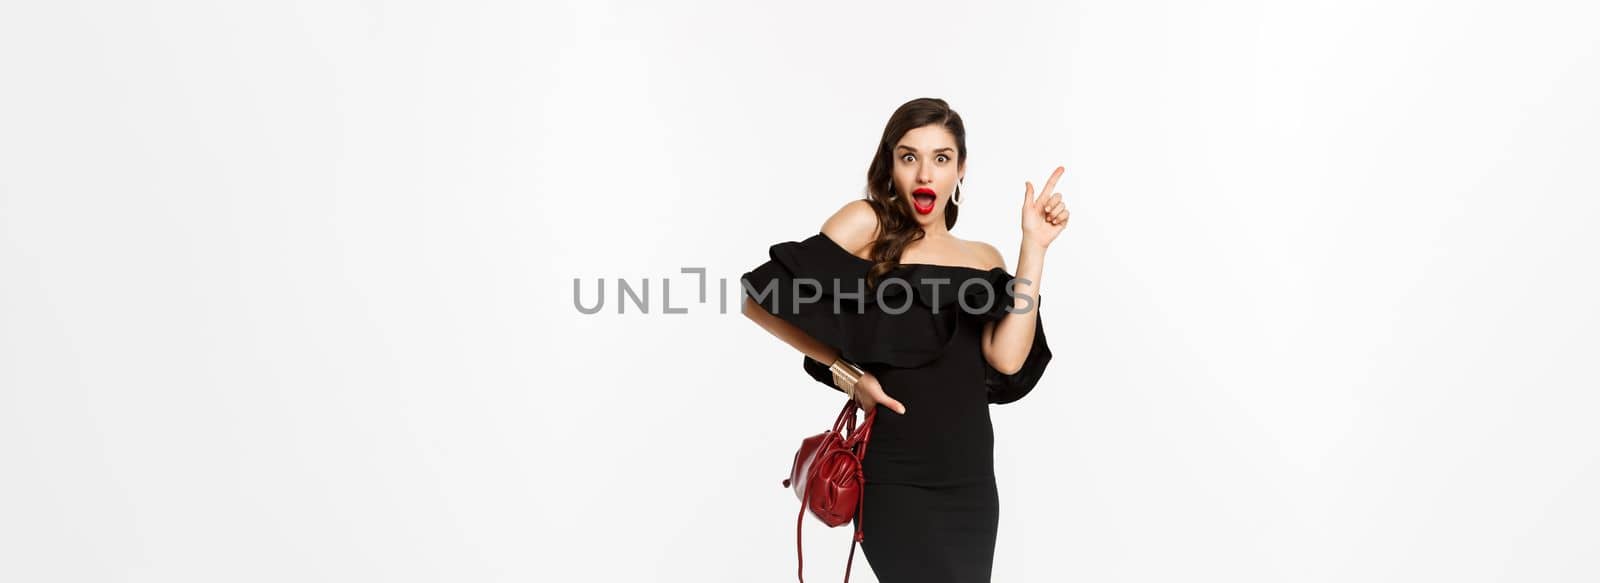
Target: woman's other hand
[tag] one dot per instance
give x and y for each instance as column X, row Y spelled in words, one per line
column 869, row 393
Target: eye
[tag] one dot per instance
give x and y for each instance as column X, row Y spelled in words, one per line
column 943, row 158
column 903, row 158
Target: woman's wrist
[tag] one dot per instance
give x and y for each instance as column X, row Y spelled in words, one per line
column 845, row 375
column 1032, row 249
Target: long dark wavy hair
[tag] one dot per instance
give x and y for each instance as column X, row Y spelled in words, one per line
column 897, row 228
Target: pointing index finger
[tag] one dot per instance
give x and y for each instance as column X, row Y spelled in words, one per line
column 1051, row 185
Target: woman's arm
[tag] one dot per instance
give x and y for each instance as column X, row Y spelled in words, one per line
column 1006, row 343
column 869, row 392
column 789, row 333
column 851, row 227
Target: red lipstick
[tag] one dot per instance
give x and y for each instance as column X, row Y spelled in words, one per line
column 923, row 199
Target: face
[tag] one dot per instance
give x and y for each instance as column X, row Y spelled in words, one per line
column 926, row 171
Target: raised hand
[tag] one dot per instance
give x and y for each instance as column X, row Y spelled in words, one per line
column 1043, row 217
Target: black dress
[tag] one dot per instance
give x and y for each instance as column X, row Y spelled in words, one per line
column 931, row 508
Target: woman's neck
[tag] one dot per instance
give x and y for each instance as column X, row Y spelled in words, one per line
column 937, row 230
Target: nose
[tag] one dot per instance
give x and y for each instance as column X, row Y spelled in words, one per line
column 925, row 173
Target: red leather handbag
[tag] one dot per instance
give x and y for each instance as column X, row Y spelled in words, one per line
column 827, row 478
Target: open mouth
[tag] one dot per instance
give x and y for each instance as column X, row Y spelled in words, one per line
column 923, row 200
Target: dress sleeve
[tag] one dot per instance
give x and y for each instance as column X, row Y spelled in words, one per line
column 821, row 289
column 820, row 372
column 1006, row 388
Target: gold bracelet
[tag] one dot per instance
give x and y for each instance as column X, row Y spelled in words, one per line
column 845, row 375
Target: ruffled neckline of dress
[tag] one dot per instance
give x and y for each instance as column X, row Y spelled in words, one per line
column 876, row 326
column 935, row 286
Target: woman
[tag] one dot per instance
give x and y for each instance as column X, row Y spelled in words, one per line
column 936, row 327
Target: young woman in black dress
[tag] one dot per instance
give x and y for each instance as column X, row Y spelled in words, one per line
column 940, row 329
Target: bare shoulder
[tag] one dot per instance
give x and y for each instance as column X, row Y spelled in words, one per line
column 853, row 226
column 990, row 256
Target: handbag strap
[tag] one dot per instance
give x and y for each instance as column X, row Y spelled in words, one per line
column 856, row 437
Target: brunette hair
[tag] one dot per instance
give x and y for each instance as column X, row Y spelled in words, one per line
column 897, row 228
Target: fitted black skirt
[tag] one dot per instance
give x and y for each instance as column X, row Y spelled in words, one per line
column 919, row 534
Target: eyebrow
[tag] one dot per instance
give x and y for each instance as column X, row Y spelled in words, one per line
column 945, row 149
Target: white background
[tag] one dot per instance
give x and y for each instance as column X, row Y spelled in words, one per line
column 286, row 290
